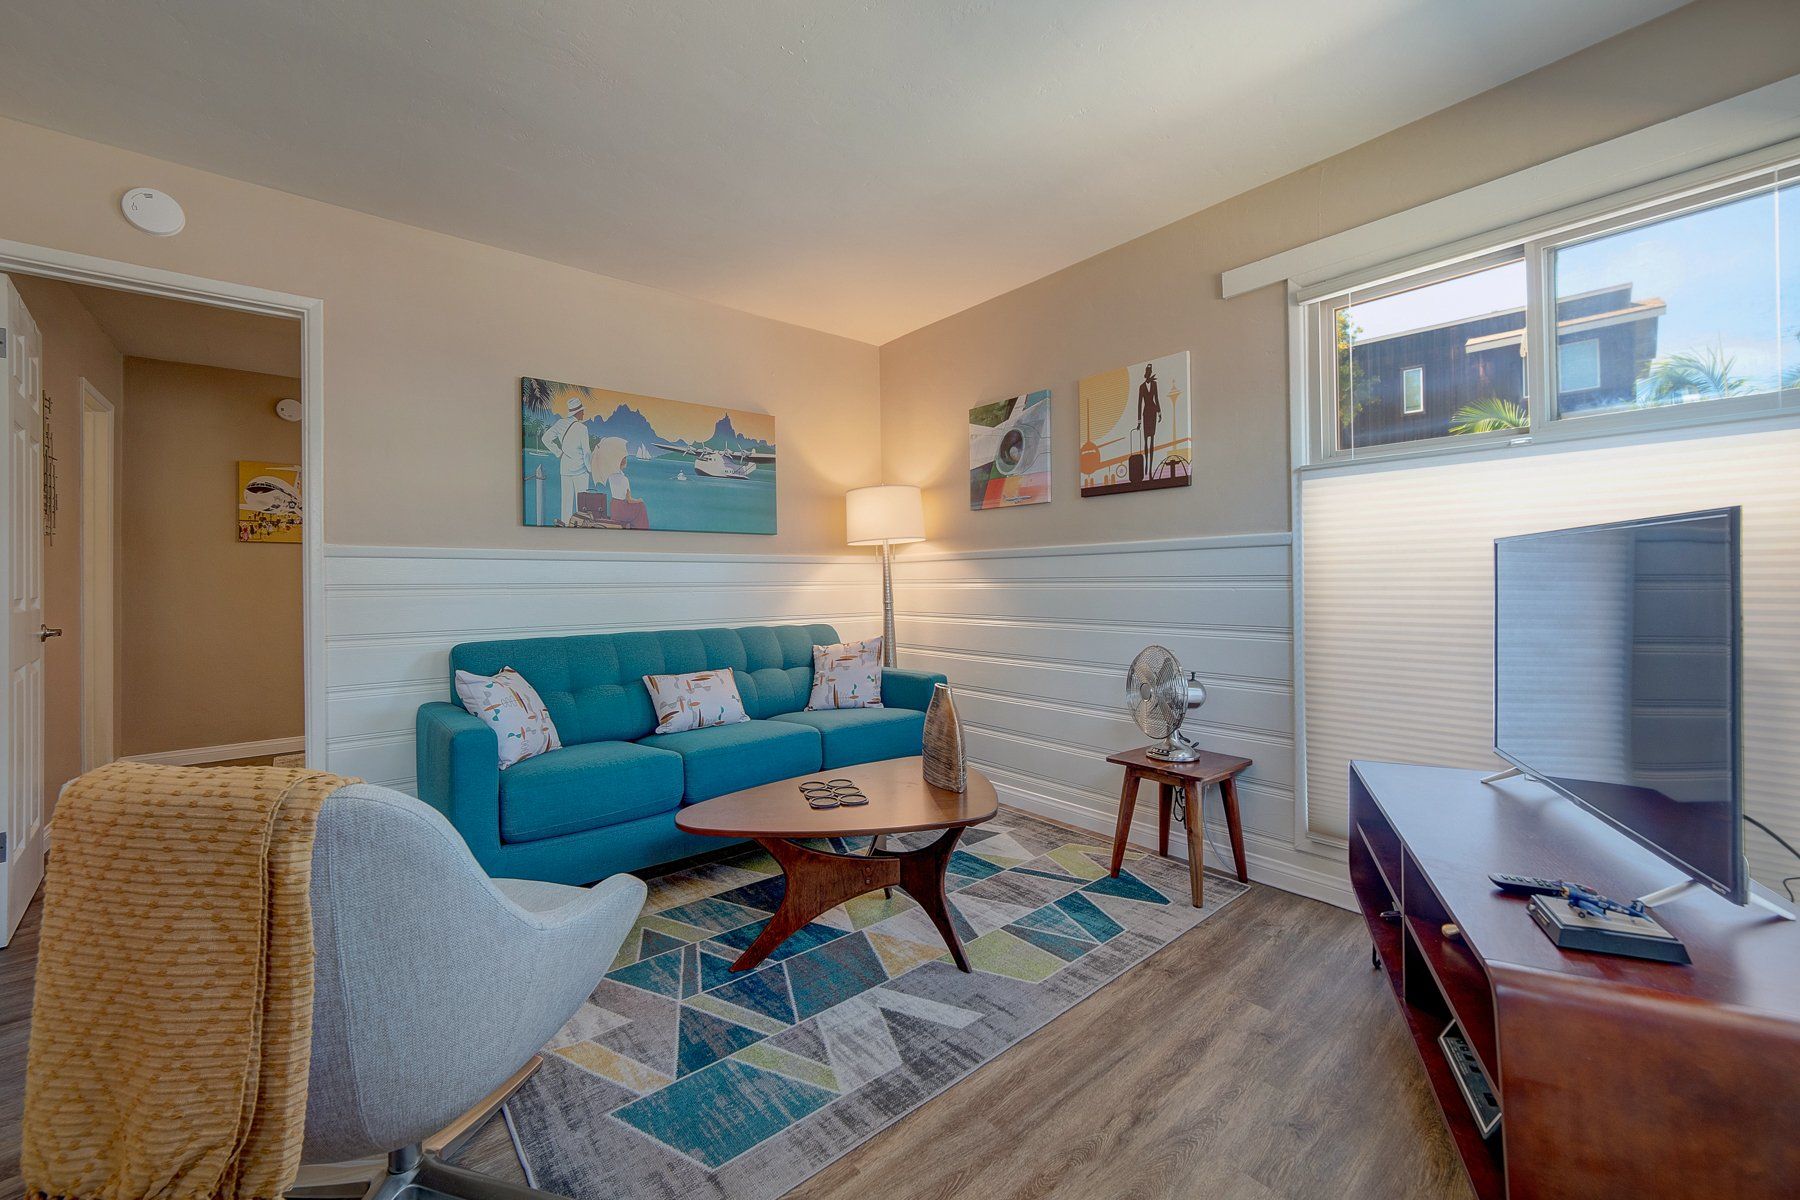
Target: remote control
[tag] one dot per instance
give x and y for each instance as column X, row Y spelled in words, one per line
column 1525, row 885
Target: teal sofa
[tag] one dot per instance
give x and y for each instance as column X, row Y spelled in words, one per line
column 606, row 801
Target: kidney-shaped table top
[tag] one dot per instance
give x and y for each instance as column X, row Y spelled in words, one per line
column 900, row 801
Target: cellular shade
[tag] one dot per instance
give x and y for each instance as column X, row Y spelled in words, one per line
column 1398, row 602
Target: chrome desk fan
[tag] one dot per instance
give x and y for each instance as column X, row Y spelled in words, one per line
column 1160, row 696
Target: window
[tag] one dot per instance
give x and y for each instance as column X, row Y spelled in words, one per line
column 1438, row 358
column 1412, row 391
column 1681, row 309
column 1685, row 308
column 1578, row 365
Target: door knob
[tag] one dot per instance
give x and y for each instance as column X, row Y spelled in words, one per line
column 45, row 633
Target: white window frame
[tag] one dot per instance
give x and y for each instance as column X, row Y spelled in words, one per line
column 1704, row 412
column 1407, row 407
column 1317, row 305
column 1320, row 318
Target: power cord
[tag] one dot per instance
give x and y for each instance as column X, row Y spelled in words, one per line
column 1181, row 814
column 1786, row 884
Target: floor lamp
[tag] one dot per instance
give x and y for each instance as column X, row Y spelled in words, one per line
column 888, row 515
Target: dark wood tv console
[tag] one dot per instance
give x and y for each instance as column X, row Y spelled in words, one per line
column 1616, row 1077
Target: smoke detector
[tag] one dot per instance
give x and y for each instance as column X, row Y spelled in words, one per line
column 288, row 409
column 153, row 212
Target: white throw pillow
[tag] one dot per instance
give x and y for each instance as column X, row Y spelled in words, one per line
column 514, row 710
column 695, row 700
column 847, row 675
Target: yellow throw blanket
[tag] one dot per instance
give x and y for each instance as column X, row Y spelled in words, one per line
column 171, row 1030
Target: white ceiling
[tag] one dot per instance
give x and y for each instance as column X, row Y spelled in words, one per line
column 859, row 166
column 179, row 331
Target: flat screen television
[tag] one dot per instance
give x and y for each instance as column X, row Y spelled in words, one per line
column 1617, row 667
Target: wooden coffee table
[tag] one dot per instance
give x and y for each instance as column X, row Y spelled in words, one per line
column 900, row 801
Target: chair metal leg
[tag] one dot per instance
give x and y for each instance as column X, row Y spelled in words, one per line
column 414, row 1174
column 512, row 1135
column 354, row 1190
column 439, row 1178
column 420, row 1172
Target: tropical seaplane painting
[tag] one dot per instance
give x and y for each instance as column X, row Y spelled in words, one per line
column 597, row 459
column 722, row 464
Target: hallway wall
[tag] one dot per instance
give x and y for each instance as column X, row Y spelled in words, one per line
column 211, row 625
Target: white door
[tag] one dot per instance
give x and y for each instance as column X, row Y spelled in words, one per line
column 22, row 583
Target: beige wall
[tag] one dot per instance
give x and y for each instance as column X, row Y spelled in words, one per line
column 210, row 625
column 1160, row 293
column 426, row 337
column 75, row 347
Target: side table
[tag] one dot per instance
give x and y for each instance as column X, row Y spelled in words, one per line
column 1192, row 778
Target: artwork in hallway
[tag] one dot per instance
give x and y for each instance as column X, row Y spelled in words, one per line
column 268, row 502
column 1009, row 452
column 1135, row 434
column 597, row 459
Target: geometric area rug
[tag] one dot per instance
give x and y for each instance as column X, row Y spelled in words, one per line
column 679, row 1079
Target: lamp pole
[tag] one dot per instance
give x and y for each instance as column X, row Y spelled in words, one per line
column 887, row 603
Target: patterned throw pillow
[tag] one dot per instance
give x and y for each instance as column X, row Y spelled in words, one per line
column 847, row 675
column 512, row 707
column 695, row 700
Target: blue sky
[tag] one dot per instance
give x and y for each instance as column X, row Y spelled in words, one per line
column 1730, row 276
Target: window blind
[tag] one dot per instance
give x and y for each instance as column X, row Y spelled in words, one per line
column 1397, row 602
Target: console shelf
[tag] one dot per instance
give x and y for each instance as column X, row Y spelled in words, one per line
column 1616, row 1077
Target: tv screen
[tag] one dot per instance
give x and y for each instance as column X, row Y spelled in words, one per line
column 1616, row 669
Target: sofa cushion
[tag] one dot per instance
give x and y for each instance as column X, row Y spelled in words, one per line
column 860, row 735
column 729, row 758
column 511, row 708
column 696, row 700
column 584, row 787
column 847, row 675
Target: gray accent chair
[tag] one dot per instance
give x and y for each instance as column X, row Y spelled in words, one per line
column 434, row 985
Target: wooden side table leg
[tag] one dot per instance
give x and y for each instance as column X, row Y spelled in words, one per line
column 1127, row 805
column 1196, row 840
column 1228, row 794
column 1165, row 796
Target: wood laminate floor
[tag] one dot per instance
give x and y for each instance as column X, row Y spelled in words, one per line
column 18, row 968
column 1256, row 1057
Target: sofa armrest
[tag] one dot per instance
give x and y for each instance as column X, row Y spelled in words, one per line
column 459, row 775
column 908, row 689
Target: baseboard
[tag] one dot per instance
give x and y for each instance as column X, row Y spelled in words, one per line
column 1289, row 877
column 207, row 754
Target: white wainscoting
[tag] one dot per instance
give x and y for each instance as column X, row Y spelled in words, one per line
column 1036, row 642
column 392, row 614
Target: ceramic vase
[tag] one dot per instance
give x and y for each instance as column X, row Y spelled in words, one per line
column 945, row 763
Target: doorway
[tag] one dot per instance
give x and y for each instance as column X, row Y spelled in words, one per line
column 94, row 421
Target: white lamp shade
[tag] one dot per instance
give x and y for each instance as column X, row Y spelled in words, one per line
column 889, row 513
